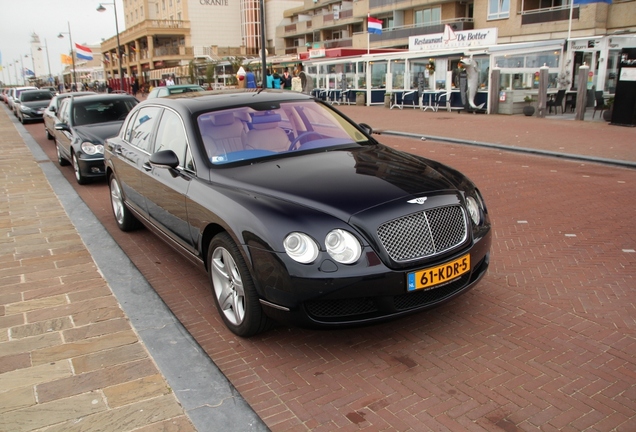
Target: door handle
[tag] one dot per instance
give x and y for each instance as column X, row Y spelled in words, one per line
column 147, row 166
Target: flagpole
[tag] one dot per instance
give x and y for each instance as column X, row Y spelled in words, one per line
column 368, row 33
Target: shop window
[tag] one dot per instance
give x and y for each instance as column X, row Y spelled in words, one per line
column 397, row 73
column 498, row 9
column 378, row 74
column 612, row 71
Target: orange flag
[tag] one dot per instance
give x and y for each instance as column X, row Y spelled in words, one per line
column 65, row 59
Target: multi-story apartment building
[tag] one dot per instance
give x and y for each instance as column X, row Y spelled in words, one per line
column 518, row 36
column 163, row 36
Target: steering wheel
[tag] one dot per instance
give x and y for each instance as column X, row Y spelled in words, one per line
column 302, row 135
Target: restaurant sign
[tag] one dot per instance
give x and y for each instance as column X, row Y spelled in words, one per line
column 316, row 53
column 452, row 40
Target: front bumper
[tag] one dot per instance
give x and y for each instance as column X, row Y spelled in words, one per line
column 91, row 167
column 338, row 296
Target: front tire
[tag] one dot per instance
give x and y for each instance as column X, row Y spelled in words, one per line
column 126, row 221
column 81, row 179
column 233, row 288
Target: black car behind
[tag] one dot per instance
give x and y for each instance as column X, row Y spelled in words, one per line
column 30, row 105
column 84, row 123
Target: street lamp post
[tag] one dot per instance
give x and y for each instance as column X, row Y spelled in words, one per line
column 35, row 78
column 22, row 71
column 70, row 38
column 15, row 71
column 48, row 62
column 101, row 8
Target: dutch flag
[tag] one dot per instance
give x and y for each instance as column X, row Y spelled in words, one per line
column 374, row 25
column 83, row 52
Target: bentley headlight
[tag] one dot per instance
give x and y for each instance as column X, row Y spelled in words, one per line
column 90, row 149
column 300, row 247
column 343, row 246
column 473, row 210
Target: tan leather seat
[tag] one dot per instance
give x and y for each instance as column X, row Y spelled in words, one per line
column 223, row 133
column 266, row 134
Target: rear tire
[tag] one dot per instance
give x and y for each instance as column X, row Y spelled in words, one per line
column 126, row 221
column 233, row 288
column 60, row 158
column 48, row 134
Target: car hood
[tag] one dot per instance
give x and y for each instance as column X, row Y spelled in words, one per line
column 98, row 132
column 36, row 104
column 346, row 182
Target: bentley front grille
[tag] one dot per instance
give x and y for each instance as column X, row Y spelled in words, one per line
column 424, row 234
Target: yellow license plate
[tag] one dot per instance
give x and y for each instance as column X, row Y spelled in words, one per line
column 431, row 277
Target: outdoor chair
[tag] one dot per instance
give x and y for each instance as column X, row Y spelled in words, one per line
column 570, row 101
column 411, row 98
column 556, row 102
column 599, row 104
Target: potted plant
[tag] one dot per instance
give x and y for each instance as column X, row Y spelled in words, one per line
column 387, row 100
column 360, row 99
column 528, row 109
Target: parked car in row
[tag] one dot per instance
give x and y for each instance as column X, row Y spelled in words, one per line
column 14, row 94
column 30, row 105
column 84, row 123
column 164, row 91
column 297, row 213
column 50, row 113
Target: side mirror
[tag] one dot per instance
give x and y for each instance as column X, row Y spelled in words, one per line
column 164, row 159
column 62, row 127
column 365, row 127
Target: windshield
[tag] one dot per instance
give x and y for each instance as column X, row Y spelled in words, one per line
column 32, row 96
column 249, row 133
column 101, row 111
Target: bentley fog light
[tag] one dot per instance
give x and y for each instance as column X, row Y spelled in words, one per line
column 300, row 247
column 90, row 149
column 473, row 209
column 343, row 246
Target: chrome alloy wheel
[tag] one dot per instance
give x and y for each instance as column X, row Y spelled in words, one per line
column 228, row 286
column 116, row 201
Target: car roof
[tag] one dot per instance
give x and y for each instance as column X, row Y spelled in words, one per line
column 178, row 86
column 82, row 93
column 218, row 99
column 88, row 98
column 36, row 91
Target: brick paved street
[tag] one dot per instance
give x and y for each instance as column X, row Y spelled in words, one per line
column 546, row 341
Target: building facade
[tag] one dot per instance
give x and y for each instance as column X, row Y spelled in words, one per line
column 163, row 36
column 516, row 36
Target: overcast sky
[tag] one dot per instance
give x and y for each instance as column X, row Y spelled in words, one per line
column 47, row 18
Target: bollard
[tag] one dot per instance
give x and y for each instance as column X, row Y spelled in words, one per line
column 543, row 91
column 581, row 92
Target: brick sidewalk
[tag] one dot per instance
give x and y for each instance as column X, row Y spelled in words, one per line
column 555, row 133
column 69, row 358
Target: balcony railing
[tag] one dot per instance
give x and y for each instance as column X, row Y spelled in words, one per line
column 538, row 16
column 412, row 30
column 338, row 43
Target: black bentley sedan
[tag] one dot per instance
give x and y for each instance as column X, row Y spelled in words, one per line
column 297, row 213
column 84, row 123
